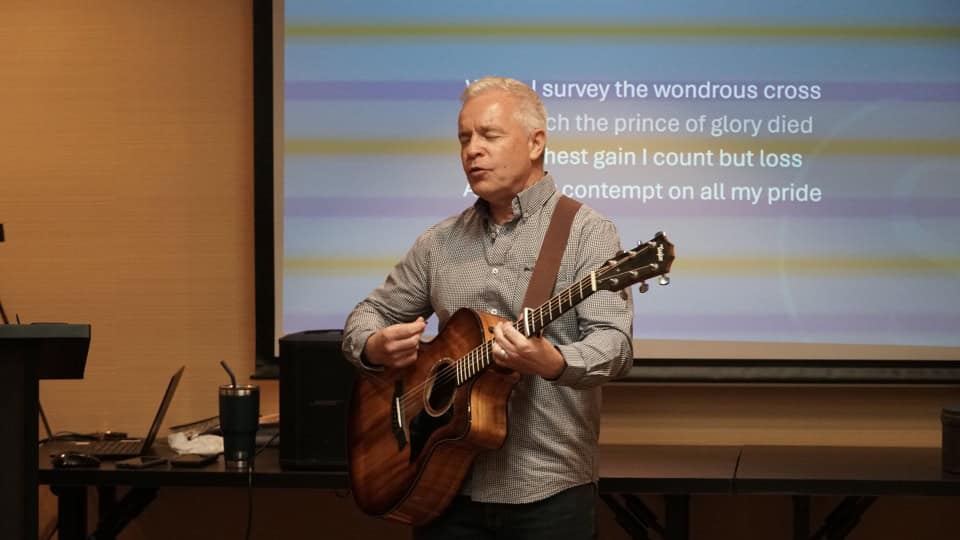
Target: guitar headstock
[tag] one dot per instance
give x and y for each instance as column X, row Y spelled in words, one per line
column 649, row 259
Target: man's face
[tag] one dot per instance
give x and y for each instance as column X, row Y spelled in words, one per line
column 497, row 152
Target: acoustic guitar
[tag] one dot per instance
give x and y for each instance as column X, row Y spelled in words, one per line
column 413, row 432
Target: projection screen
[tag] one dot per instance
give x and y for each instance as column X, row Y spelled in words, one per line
column 802, row 157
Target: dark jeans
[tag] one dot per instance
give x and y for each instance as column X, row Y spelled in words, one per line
column 568, row 515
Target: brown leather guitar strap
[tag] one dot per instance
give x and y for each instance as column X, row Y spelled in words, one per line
column 551, row 251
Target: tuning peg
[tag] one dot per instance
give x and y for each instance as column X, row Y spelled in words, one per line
column 614, row 281
column 644, row 287
column 664, row 280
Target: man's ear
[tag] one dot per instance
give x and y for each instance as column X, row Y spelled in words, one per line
column 537, row 143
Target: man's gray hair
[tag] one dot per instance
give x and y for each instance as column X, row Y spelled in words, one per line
column 530, row 110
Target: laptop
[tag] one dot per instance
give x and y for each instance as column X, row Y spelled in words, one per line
column 125, row 448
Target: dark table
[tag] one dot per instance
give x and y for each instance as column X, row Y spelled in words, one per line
column 70, row 486
column 859, row 474
column 674, row 471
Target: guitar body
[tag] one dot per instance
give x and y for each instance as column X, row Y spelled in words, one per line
column 413, row 434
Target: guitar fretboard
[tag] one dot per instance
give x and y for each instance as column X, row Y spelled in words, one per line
column 531, row 324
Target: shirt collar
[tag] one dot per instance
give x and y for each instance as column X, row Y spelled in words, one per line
column 528, row 201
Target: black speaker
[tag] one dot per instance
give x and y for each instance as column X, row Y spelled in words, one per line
column 315, row 386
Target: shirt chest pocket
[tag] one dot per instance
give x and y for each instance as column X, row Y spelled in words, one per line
column 478, row 285
column 565, row 278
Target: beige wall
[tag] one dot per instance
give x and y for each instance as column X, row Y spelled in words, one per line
column 126, row 192
column 127, row 196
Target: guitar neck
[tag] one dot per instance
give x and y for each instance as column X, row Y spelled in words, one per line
column 531, row 323
column 647, row 260
column 534, row 321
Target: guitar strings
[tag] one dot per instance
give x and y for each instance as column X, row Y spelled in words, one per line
column 481, row 355
column 451, row 372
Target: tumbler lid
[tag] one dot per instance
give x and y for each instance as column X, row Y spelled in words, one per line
column 239, row 390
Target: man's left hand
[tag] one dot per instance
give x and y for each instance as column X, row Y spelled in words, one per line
column 533, row 355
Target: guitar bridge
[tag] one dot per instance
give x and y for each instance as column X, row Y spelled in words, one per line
column 396, row 415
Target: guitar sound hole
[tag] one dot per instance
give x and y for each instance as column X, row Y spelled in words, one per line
column 442, row 387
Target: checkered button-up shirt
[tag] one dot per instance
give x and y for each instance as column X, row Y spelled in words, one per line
column 467, row 261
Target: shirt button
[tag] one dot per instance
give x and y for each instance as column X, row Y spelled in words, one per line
column 496, row 271
column 494, row 311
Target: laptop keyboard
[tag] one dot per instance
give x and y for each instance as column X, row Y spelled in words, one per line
column 115, row 447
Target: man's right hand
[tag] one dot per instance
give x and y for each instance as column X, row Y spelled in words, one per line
column 395, row 346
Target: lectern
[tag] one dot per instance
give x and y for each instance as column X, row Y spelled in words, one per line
column 28, row 353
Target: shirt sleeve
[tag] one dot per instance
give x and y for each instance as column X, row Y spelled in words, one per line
column 604, row 350
column 401, row 298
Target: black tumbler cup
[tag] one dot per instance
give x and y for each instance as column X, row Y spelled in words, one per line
column 239, row 419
